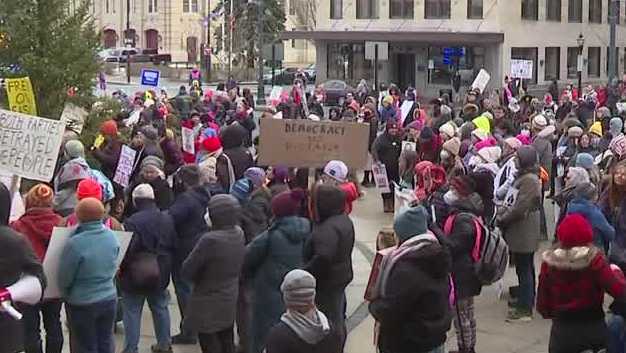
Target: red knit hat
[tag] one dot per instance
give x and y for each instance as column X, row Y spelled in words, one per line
column 287, row 203
column 212, row 144
column 109, row 128
column 574, row 230
column 89, row 188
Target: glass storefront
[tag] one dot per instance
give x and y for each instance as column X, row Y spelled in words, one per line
column 444, row 61
column 346, row 61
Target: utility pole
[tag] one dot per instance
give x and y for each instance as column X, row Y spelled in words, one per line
column 231, row 23
column 128, row 41
column 208, row 51
column 613, row 11
column 260, row 93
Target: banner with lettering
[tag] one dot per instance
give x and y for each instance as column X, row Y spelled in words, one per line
column 21, row 96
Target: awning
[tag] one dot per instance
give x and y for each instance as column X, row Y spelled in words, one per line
column 402, row 36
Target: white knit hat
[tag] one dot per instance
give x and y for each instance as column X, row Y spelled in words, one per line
column 143, row 191
column 336, row 170
column 490, row 154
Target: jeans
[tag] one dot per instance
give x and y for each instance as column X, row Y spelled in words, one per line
column 50, row 312
column 525, row 269
column 133, row 307
column 183, row 292
column 617, row 328
column 440, row 349
column 217, row 342
column 92, row 326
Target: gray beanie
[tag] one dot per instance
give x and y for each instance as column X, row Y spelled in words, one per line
column 576, row 176
column 584, row 160
column 615, row 126
column 298, row 288
column 410, row 223
column 152, row 161
column 150, row 132
column 74, row 149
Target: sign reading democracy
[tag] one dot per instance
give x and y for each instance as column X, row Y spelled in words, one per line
column 21, row 97
column 306, row 143
column 29, row 145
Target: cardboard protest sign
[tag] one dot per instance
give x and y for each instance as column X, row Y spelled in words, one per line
column 74, row 117
column 188, row 140
column 380, row 178
column 29, row 145
column 306, row 143
column 21, row 96
column 125, row 166
column 51, row 262
column 481, row 80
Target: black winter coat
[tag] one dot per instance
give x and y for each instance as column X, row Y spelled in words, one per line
column 387, row 150
column 282, row 339
column 188, row 212
column 461, row 242
column 153, row 233
column 108, row 157
column 163, row 194
column 414, row 315
column 17, row 258
column 328, row 253
column 256, row 214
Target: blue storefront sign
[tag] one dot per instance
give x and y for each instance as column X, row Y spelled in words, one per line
column 150, row 77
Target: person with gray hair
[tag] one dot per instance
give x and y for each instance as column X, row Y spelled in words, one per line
column 302, row 328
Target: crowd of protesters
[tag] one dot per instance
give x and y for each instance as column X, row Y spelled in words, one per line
column 260, row 256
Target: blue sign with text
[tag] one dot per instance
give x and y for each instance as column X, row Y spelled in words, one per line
column 150, row 77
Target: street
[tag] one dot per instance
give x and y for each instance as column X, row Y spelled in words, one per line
column 494, row 334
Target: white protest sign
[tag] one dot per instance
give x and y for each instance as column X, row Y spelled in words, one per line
column 29, row 145
column 522, row 69
column 380, row 178
column 481, row 80
column 74, row 117
column 275, row 94
column 125, row 166
column 58, row 240
column 405, row 109
column 188, row 140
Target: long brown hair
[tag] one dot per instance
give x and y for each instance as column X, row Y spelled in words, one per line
column 616, row 192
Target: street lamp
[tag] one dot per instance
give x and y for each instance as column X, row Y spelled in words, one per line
column 581, row 43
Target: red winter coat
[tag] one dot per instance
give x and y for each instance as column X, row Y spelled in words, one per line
column 36, row 225
column 572, row 283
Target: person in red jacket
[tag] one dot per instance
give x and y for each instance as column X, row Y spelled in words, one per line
column 36, row 225
column 336, row 173
column 574, row 277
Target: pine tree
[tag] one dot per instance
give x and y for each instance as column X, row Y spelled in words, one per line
column 245, row 33
column 55, row 43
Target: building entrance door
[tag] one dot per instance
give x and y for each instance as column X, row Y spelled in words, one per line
column 405, row 75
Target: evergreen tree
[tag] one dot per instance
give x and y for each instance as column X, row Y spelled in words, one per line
column 55, row 43
column 245, row 33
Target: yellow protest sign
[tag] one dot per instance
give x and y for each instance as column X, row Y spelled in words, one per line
column 21, row 96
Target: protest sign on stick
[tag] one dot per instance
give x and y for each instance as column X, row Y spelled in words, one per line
column 125, row 166
column 188, row 140
column 306, row 143
column 29, row 145
column 51, row 262
column 21, row 96
column 74, row 117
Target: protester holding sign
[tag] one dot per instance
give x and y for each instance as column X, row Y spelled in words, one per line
column 108, row 154
column 70, row 174
column 386, row 150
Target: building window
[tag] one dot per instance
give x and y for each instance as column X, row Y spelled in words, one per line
column 530, row 10
column 152, row 6
column 553, row 10
column 292, row 7
column 336, row 9
column 106, row 6
column 595, row 11
column 474, row 9
column 572, row 62
column 368, row 9
column 553, row 64
column 437, row 9
column 619, row 10
column 593, row 61
column 575, row 11
column 190, row 6
column 448, row 60
column 401, row 9
column 527, row 54
column 616, row 60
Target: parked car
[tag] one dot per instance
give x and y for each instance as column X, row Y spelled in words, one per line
column 120, row 55
column 311, row 73
column 336, row 91
column 117, row 55
column 284, row 77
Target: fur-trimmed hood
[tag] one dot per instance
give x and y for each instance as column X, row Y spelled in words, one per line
column 574, row 259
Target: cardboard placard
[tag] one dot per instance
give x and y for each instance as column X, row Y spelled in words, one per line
column 21, row 96
column 380, row 178
column 29, row 145
column 74, row 117
column 188, row 137
column 125, row 166
column 51, row 261
column 481, row 80
column 306, row 143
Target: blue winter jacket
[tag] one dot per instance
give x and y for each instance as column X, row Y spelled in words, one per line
column 88, row 265
column 603, row 231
